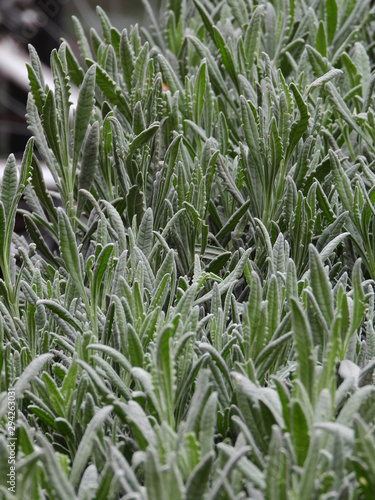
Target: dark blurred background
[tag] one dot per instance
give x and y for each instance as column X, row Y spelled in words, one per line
column 43, row 23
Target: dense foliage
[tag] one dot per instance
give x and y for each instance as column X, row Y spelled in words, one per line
column 206, row 329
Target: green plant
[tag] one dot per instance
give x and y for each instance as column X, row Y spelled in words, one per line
column 206, row 327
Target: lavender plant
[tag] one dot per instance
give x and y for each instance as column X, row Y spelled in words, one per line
column 206, row 327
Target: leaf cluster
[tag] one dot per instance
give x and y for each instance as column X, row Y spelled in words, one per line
column 203, row 324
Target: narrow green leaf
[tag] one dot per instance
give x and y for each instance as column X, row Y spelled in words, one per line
column 30, row 372
column 359, row 300
column 363, row 65
column 154, row 22
column 69, row 252
column 321, row 41
column 310, row 470
column 9, row 184
column 50, row 125
column 333, row 73
column 76, row 73
column 233, row 221
column 319, row 64
column 140, row 425
column 342, row 182
column 117, row 224
column 235, row 455
column 166, row 375
column 362, row 399
column 252, row 36
column 206, row 18
column 332, row 245
column 136, row 353
column 36, row 78
column 250, row 127
column 105, row 23
column 199, row 91
column 145, row 235
column 139, row 123
column 274, row 473
column 101, row 266
column 214, row 71
column 228, row 281
column 226, row 57
column 39, row 186
column 140, row 66
column 60, row 311
column 89, row 164
column 127, row 59
column 128, row 480
column 345, row 112
column 170, row 77
column 300, row 431
column 299, row 127
column 82, row 40
column 45, row 416
column 62, row 99
column 331, row 20
column 36, row 65
column 304, row 347
column 238, row 10
column 2, row 233
column 113, row 93
column 206, row 347
column 198, row 480
column 320, row 285
column 85, row 105
column 153, row 474
column 87, row 442
column 60, row 485
column 143, row 137
column 208, row 425
column 135, row 204
column 39, row 241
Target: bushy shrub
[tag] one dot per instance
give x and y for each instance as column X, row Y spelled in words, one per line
column 206, row 328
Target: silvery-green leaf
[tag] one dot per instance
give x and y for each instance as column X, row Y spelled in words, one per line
column 331, row 19
column 105, row 24
column 89, row 164
column 89, row 483
column 333, row 73
column 363, row 398
column 9, row 184
column 304, row 346
column 87, row 442
column 60, row 485
column 85, row 105
column 69, row 252
column 320, row 285
column 82, row 40
column 145, row 235
column 30, row 372
column 127, row 59
column 199, row 478
column 252, row 36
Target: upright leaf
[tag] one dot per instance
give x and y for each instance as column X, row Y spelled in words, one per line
column 304, row 347
column 9, row 184
column 320, row 285
column 89, row 164
column 69, row 252
column 85, row 105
